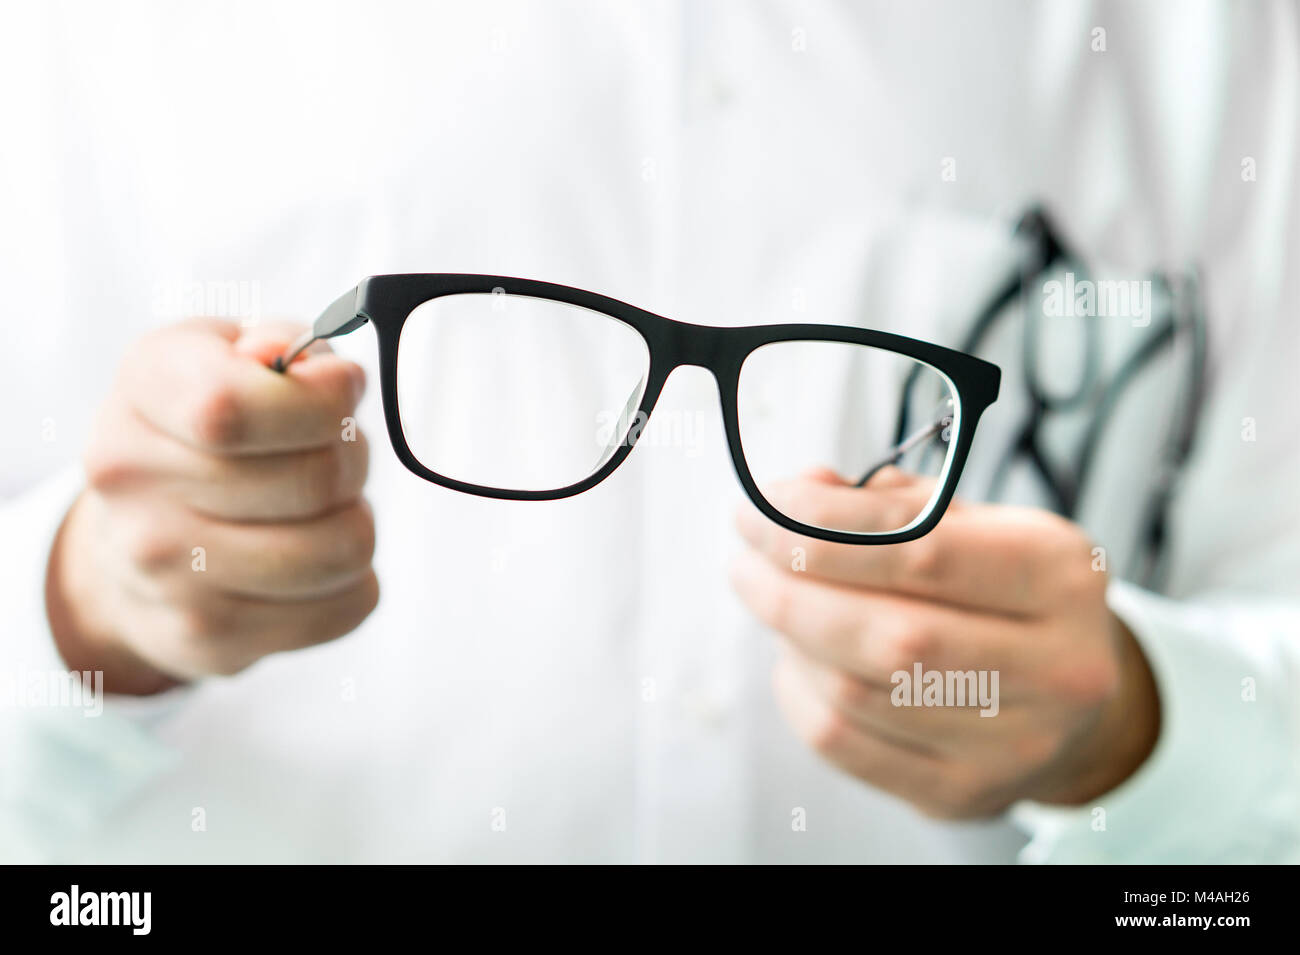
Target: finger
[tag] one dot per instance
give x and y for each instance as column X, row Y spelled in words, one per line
column 301, row 560
column 281, row 561
column 271, row 340
column 844, row 693
column 129, row 455
column 893, row 768
column 876, row 635
column 821, row 498
column 192, row 383
column 227, row 633
column 893, row 713
column 1003, row 559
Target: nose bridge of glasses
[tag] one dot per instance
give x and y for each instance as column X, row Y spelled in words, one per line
column 704, row 346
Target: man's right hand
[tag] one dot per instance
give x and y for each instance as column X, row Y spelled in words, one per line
column 223, row 518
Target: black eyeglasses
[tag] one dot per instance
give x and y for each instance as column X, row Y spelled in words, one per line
column 523, row 390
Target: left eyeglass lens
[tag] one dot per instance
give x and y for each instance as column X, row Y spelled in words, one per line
column 517, row 393
column 807, row 406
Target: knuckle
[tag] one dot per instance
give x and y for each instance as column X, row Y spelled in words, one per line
column 923, row 560
column 152, row 550
column 913, row 643
column 106, row 469
column 848, row 692
column 1071, row 551
column 215, row 418
column 1088, row 682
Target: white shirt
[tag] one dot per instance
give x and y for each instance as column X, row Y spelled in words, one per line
column 574, row 680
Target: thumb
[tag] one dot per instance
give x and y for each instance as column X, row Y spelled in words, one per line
column 265, row 342
column 315, row 367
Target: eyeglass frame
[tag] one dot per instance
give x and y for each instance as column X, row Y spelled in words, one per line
column 386, row 301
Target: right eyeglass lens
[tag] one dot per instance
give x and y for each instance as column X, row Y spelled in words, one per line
column 808, row 405
column 517, row 393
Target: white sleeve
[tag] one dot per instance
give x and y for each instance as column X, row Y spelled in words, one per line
column 70, row 756
column 1223, row 783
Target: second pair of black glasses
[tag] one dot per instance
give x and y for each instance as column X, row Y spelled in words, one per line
column 524, row 390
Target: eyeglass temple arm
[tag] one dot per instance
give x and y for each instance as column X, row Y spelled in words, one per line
column 907, row 444
column 340, row 318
